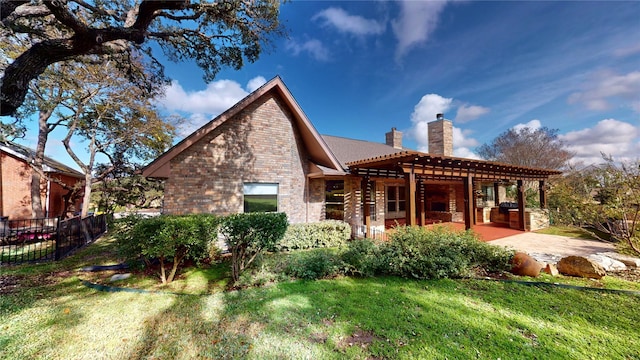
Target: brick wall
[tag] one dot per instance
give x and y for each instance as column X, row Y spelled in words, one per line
column 16, row 190
column 259, row 144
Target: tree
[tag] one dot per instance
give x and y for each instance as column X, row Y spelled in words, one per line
column 603, row 199
column 124, row 187
column 117, row 120
column 213, row 33
column 538, row 148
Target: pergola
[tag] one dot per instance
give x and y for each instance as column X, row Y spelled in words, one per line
column 417, row 168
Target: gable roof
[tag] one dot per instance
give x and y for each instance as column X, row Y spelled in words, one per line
column 49, row 165
column 349, row 150
column 318, row 150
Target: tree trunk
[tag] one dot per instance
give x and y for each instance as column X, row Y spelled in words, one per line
column 38, row 159
column 86, row 197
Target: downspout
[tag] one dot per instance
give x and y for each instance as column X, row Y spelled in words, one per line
column 306, row 190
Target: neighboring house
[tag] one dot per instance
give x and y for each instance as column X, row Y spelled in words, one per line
column 15, row 183
column 263, row 154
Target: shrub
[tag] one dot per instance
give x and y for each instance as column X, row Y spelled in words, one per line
column 315, row 264
column 438, row 253
column 247, row 235
column 169, row 239
column 364, row 257
column 330, row 233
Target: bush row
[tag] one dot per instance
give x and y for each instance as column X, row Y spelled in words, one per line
column 412, row 252
column 330, row 233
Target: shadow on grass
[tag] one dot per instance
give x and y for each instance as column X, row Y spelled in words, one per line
column 327, row 319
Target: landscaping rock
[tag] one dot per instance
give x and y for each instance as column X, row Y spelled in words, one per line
column 629, row 261
column 118, row 277
column 551, row 270
column 525, row 265
column 607, row 263
column 581, row 267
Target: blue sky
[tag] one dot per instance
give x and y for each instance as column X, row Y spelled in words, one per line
column 358, row 68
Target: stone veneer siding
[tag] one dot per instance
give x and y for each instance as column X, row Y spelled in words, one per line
column 260, row 144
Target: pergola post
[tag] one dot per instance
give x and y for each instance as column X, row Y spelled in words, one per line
column 469, row 202
column 421, row 203
column 496, row 194
column 521, row 206
column 543, row 195
column 410, row 187
column 366, row 199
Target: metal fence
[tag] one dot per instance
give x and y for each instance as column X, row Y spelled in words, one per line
column 46, row 238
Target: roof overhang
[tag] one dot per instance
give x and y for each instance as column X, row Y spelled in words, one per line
column 437, row 167
column 318, row 150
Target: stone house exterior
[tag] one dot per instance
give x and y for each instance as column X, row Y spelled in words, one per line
column 263, row 154
column 15, row 183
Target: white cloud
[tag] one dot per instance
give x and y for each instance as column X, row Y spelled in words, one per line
column 352, row 24
column 200, row 106
column 468, row 113
column 313, row 47
column 534, row 124
column 611, row 137
column 606, row 87
column 255, row 83
column 417, row 20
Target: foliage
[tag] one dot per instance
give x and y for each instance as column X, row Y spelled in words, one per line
column 416, row 252
column 123, row 189
column 315, row 264
column 538, row 148
column 248, row 234
column 330, row 233
column 605, row 198
column 213, row 34
column 168, row 239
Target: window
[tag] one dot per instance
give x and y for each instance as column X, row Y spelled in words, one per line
column 395, row 198
column 334, row 199
column 487, row 193
column 260, row 197
column 395, row 201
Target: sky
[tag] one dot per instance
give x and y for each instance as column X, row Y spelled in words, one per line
column 359, row 68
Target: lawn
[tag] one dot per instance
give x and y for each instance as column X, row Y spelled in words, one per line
column 46, row 312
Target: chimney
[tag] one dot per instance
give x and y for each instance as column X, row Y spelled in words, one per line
column 441, row 136
column 394, row 138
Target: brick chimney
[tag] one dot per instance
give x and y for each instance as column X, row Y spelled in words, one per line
column 441, row 136
column 394, row 138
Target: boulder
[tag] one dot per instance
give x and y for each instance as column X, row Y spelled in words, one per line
column 525, row 265
column 581, row 267
column 629, row 261
column 551, row 270
column 607, row 263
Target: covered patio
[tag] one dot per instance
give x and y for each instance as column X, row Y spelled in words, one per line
column 418, row 170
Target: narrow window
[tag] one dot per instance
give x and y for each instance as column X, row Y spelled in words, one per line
column 260, row 197
column 334, row 199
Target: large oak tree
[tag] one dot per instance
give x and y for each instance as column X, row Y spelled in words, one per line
column 538, row 148
column 213, row 33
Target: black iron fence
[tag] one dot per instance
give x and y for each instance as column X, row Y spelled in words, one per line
column 46, row 238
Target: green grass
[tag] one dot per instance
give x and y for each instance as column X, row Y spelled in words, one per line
column 50, row 314
column 569, row 231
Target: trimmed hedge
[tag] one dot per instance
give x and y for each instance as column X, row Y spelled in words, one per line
column 330, row 233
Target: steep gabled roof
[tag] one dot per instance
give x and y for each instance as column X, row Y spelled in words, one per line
column 315, row 145
column 49, row 165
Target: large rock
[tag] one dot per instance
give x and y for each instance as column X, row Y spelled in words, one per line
column 580, row 266
column 607, row 263
column 630, row 261
column 525, row 265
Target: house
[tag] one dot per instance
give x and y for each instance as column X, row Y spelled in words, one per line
column 263, row 154
column 15, row 183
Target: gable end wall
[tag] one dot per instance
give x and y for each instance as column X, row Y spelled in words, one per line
column 259, row 144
